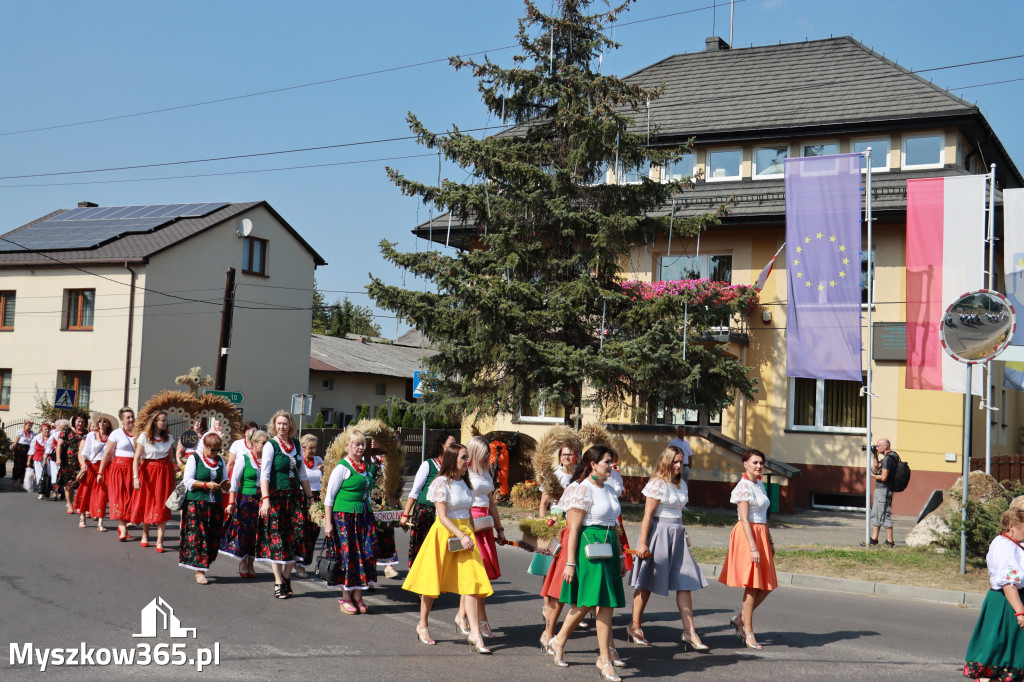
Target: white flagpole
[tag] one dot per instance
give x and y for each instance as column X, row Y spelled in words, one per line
column 991, row 238
column 867, row 387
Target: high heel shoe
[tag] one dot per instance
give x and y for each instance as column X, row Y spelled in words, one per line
column 750, row 642
column 462, row 625
column 485, row 630
column 637, row 635
column 423, row 634
column 607, row 671
column 544, row 639
column 478, row 644
column 616, row 661
column 557, row 651
column 689, row 642
column 738, row 627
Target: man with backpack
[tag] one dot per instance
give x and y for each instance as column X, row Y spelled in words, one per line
column 881, row 507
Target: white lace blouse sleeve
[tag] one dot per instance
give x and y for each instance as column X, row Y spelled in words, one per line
column 580, row 498
column 615, row 484
column 267, row 462
column 189, row 476
column 743, row 492
column 438, row 490
column 236, row 474
column 656, row 489
column 1005, row 561
column 338, row 477
column 420, row 480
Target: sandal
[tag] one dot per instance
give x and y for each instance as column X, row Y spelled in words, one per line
column 287, row 587
column 557, row 651
column 462, row 625
column 485, row 630
column 201, row 579
column 693, row 641
column 363, row 608
column 738, row 626
column 544, row 639
column 607, row 671
column 279, row 592
column 616, row 661
column 423, row 634
column 348, row 607
column 750, row 642
column 637, row 635
column 478, row 644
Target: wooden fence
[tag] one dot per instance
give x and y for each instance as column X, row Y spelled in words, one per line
column 1004, row 467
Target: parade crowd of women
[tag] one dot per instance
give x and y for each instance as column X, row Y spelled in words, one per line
column 251, row 501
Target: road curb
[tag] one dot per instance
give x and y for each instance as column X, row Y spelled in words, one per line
column 888, row 590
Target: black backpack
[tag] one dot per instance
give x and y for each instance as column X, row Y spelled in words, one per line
column 900, row 475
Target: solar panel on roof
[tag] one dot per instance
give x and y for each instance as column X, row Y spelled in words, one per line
column 82, row 228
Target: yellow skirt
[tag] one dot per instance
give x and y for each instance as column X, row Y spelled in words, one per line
column 437, row 570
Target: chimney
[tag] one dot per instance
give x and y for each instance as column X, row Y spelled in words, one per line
column 87, row 204
column 715, row 44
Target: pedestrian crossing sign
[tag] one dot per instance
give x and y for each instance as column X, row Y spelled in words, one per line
column 420, row 384
column 65, row 399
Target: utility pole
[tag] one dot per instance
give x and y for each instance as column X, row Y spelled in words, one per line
column 226, row 313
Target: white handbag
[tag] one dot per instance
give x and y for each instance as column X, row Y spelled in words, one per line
column 598, row 550
column 483, row 523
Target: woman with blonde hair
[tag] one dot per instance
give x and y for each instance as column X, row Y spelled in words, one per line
column 996, row 649
column 449, row 560
column 668, row 563
column 282, row 481
column 750, row 561
column 239, row 538
column 116, row 471
column 152, row 479
column 485, row 522
column 349, row 524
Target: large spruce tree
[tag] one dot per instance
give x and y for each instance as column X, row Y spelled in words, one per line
column 536, row 310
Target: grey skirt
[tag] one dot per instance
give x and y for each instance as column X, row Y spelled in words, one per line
column 671, row 567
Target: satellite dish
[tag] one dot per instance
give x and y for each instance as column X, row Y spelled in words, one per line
column 978, row 326
column 244, row 227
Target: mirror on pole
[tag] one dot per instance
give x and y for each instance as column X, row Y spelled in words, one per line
column 977, row 326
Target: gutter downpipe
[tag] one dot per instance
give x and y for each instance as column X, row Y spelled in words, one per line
column 131, row 331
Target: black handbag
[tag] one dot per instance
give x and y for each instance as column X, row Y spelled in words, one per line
column 328, row 570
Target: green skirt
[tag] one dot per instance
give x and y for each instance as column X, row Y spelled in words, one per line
column 597, row 582
column 996, row 649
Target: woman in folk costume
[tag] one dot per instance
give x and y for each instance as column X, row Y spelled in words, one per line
column 449, row 560
column 282, row 481
column 152, row 479
column 91, row 497
column 551, row 590
column 750, row 561
column 314, row 467
column 116, row 471
column 349, row 525
column 20, row 452
column 69, row 442
column 41, row 450
column 239, row 538
column 202, row 519
column 418, row 516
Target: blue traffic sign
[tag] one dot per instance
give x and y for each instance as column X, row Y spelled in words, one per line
column 65, row 399
column 420, row 384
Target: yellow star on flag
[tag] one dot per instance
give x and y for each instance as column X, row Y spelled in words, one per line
column 842, row 274
column 807, row 240
column 846, row 261
column 832, row 238
column 842, row 247
column 831, row 282
column 796, row 261
column 821, row 286
column 800, row 275
column 799, row 249
column 807, row 283
column 820, row 235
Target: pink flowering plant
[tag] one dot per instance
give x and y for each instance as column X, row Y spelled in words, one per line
column 697, row 292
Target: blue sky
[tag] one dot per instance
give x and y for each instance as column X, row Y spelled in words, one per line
column 70, row 61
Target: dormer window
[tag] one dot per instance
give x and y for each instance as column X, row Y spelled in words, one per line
column 923, row 151
column 768, row 161
column 685, row 167
column 879, row 153
column 724, row 164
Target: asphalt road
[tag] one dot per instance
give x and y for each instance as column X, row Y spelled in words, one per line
column 64, row 586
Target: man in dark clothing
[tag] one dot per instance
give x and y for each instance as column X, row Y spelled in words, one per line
column 881, row 507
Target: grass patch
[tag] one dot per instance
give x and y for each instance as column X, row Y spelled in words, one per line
column 902, row 566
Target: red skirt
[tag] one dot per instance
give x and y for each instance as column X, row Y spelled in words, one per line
column 485, row 541
column 149, row 502
column 91, row 497
column 738, row 570
column 553, row 580
column 118, row 477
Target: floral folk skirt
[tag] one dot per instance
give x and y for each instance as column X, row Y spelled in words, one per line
column 201, row 526
column 353, row 544
column 996, row 649
column 387, row 553
column 239, row 537
column 118, row 478
column 420, row 521
column 308, row 531
column 67, row 473
column 276, row 534
column 149, row 502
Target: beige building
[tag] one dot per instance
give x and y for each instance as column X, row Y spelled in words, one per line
column 115, row 302
column 748, row 110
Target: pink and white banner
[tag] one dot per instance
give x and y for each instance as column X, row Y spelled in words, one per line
column 945, row 259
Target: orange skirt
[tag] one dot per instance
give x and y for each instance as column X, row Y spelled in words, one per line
column 739, row 571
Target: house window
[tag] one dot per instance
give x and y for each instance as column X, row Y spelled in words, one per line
column 768, row 161
column 254, row 256
column 864, row 275
column 634, row 176
column 923, row 151
column 826, row 405
column 327, row 384
column 879, row 153
column 79, row 308
column 381, row 389
column 600, row 176
column 821, row 149
column 688, row 417
column 5, row 389
column 684, row 167
column 80, row 382
column 327, row 413
column 724, row 164
column 716, row 267
column 7, row 310
column 536, row 409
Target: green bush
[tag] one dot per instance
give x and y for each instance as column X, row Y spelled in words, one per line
column 983, row 521
column 364, row 413
column 382, row 414
column 408, row 421
column 318, row 423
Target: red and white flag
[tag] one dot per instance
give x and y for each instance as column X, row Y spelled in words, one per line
column 766, row 270
column 945, row 259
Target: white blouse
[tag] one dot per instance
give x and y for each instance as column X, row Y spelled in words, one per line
column 189, row 475
column 1005, row 561
column 314, row 475
column 755, row 494
column 672, row 499
column 456, row 495
column 25, row 438
column 123, row 445
column 563, row 478
column 420, row 480
column 563, row 501
column 615, row 483
column 483, row 486
column 92, row 448
column 38, row 442
column 267, row 462
column 600, row 505
column 157, row 450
